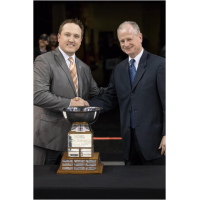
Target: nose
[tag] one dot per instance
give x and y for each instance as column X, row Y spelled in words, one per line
column 71, row 38
column 126, row 43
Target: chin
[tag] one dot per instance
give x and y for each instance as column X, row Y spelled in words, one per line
column 70, row 50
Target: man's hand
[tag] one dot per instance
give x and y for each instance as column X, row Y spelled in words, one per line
column 77, row 101
column 163, row 145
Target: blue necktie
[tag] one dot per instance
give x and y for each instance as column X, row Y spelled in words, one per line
column 132, row 76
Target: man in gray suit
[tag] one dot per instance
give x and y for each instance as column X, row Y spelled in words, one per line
column 60, row 80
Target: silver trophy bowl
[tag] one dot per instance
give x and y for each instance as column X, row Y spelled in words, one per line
column 81, row 114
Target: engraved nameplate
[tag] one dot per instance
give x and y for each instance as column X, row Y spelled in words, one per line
column 90, row 161
column 80, row 140
column 90, row 164
column 88, row 150
column 79, row 164
column 83, row 154
column 79, row 161
column 70, row 161
column 79, row 168
column 73, row 152
column 67, row 164
column 67, row 168
column 91, row 168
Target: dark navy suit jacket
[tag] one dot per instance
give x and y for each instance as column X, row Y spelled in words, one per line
column 146, row 98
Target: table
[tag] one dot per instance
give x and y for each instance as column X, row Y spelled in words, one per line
column 116, row 182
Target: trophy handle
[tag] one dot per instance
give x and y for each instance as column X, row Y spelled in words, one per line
column 96, row 115
column 64, row 113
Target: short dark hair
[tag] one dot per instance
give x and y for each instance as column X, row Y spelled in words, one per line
column 52, row 34
column 74, row 21
column 44, row 36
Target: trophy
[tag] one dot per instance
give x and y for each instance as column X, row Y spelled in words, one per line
column 80, row 157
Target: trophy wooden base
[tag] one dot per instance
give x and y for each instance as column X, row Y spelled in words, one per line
column 73, row 164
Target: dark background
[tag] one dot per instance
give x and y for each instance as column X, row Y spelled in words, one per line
column 101, row 20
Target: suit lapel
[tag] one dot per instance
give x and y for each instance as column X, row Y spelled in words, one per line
column 79, row 74
column 141, row 69
column 62, row 63
column 126, row 76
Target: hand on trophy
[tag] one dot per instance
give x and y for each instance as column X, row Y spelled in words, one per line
column 77, row 101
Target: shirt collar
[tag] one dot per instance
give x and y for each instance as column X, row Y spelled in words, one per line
column 65, row 55
column 137, row 58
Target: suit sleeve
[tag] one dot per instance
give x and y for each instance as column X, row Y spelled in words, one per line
column 161, row 91
column 95, row 91
column 109, row 99
column 42, row 84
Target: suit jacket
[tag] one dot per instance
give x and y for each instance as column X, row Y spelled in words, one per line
column 146, row 99
column 53, row 90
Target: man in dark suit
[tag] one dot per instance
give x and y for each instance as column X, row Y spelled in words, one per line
column 137, row 84
column 59, row 79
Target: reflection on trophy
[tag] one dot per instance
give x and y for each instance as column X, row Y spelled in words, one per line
column 80, row 157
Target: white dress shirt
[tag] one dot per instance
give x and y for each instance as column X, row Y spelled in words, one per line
column 137, row 59
column 66, row 56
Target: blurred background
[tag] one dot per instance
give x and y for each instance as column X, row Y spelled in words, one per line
column 100, row 47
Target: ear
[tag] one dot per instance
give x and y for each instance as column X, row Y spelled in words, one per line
column 140, row 36
column 58, row 36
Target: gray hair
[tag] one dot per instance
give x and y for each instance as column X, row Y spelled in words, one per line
column 133, row 24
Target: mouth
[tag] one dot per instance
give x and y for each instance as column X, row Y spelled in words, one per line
column 128, row 48
column 70, row 45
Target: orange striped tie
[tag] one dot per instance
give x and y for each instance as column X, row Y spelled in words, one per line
column 73, row 72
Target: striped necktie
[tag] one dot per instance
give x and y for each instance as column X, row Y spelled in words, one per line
column 132, row 71
column 73, row 72
column 132, row 76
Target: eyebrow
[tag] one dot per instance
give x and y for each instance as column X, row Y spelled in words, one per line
column 72, row 33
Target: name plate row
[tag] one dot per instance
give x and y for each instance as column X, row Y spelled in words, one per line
column 79, row 168
column 82, row 153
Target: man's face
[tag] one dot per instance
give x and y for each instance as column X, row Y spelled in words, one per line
column 130, row 43
column 70, row 38
column 43, row 43
column 53, row 40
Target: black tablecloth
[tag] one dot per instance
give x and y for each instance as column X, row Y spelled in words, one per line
column 116, row 182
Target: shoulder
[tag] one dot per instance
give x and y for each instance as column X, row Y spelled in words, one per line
column 44, row 61
column 152, row 58
column 45, row 56
column 122, row 64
